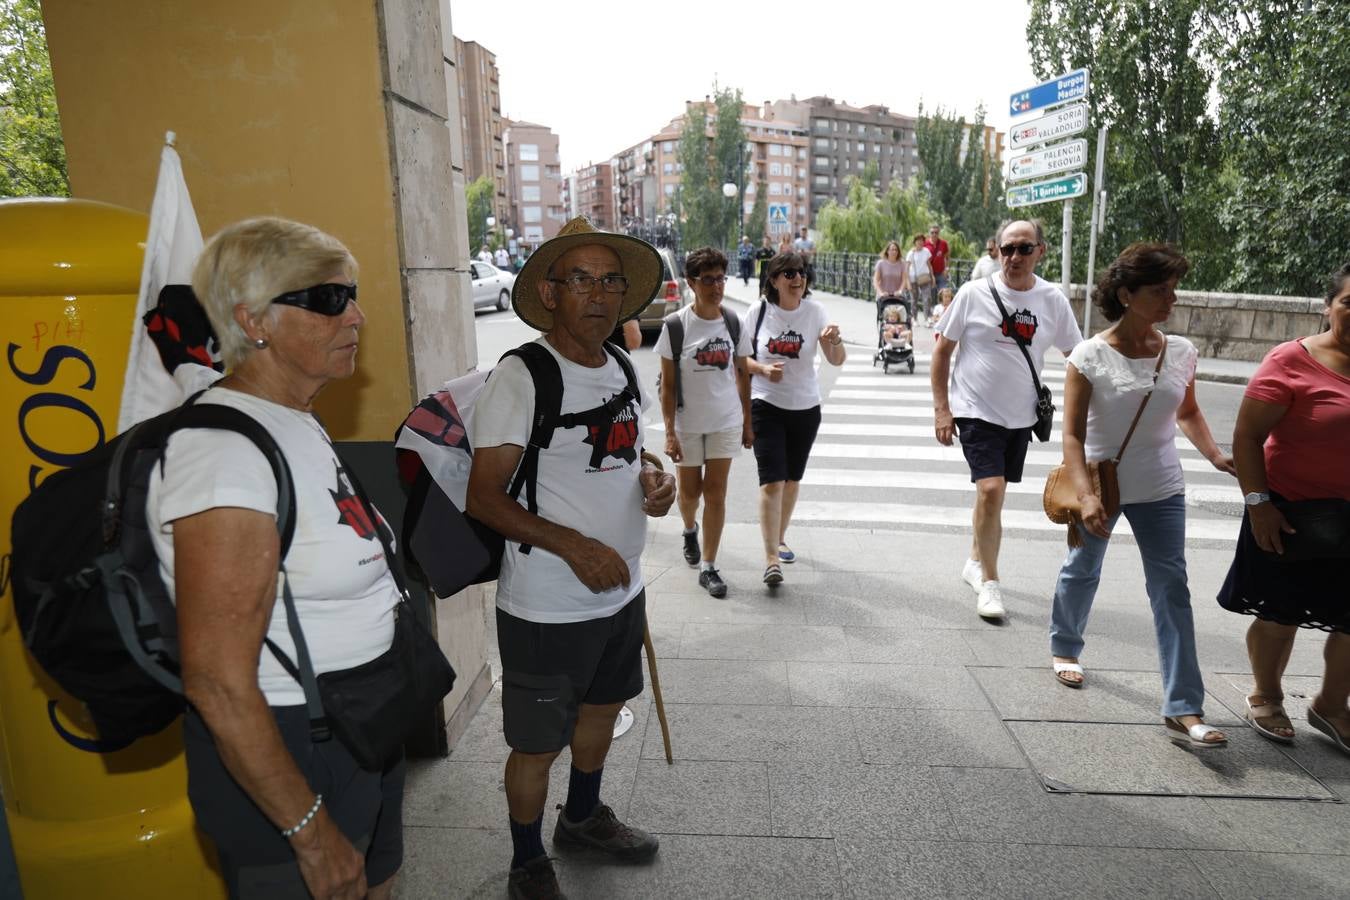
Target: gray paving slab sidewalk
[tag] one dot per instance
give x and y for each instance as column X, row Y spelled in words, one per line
column 857, row 323
column 860, row 732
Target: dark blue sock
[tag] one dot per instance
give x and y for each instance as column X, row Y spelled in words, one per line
column 583, row 794
column 527, row 841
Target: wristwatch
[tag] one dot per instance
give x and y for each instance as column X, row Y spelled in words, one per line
column 1256, row 498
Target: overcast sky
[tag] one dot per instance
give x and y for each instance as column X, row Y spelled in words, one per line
column 605, row 74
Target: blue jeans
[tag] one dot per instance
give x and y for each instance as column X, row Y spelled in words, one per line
column 1160, row 530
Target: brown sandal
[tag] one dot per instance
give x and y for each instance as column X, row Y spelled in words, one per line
column 1267, row 716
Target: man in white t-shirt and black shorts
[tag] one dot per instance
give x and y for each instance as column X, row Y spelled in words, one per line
column 992, row 398
column 570, row 609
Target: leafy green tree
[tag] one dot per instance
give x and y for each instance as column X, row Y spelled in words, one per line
column 32, row 153
column 478, row 205
column 1286, row 90
column 960, row 178
column 866, row 221
column 757, row 225
column 711, row 154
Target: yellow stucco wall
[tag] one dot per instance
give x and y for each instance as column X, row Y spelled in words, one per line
column 279, row 110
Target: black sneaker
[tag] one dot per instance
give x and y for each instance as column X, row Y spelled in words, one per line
column 713, row 582
column 692, row 553
column 534, row 881
column 603, row 831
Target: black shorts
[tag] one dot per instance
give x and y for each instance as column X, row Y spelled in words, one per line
column 254, row 858
column 993, row 451
column 551, row 668
column 783, row 439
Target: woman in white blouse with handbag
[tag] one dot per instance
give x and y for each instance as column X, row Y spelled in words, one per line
column 1107, row 380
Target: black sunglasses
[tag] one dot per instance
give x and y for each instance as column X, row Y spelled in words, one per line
column 1024, row 249
column 791, row 274
column 326, row 299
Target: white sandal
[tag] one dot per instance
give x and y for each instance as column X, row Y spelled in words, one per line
column 1062, row 667
column 1193, row 737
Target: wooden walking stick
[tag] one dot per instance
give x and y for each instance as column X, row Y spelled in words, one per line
column 656, row 692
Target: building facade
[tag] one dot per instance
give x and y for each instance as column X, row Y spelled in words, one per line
column 480, row 119
column 593, row 195
column 534, row 182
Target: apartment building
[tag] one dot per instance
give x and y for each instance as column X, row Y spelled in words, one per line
column 593, row 195
column 480, row 108
column 534, row 182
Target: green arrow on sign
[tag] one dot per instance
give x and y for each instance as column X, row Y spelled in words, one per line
column 1064, row 188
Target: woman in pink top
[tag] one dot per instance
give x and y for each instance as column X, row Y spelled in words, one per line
column 890, row 276
column 1291, row 443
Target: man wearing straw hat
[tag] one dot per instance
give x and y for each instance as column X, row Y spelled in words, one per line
column 571, row 613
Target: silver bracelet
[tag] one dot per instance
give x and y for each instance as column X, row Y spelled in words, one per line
column 309, row 817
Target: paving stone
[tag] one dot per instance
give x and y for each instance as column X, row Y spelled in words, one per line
column 811, row 800
column 784, row 642
column 704, row 867
column 1292, row 826
column 1011, row 805
column 937, row 737
column 454, row 862
column 731, row 681
column 957, row 870
column 906, row 646
column 1107, row 696
column 899, row 687
column 763, row 733
column 1139, row 759
column 1261, row 876
column 744, row 604
column 702, row 797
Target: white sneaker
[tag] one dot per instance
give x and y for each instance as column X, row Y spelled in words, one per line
column 972, row 573
column 990, row 602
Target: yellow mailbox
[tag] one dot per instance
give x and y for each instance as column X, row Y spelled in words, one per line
column 87, row 819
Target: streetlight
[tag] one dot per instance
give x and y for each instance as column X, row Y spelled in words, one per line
column 491, row 222
column 730, row 189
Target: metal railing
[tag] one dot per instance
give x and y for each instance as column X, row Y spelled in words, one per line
column 850, row 274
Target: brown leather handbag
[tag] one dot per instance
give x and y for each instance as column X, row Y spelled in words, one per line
column 1060, row 498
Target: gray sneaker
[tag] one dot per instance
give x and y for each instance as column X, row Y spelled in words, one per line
column 603, row 831
column 534, row 881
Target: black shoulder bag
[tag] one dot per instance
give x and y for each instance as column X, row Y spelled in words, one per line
column 1045, row 404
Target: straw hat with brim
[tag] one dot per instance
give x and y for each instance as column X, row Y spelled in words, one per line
column 640, row 261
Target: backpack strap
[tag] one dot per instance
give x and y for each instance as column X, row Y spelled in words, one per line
column 733, row 322
column 759, row 320
column 547, row 378
column 675, row 329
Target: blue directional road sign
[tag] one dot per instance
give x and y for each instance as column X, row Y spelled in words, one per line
column 1063, row 188
column 1065, row 88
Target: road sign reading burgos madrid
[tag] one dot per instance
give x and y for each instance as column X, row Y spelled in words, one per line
column 1065, row 188
column 1064, row 89
column 1064, row 122
column 1057, row 158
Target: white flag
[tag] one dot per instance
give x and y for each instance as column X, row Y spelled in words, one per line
column 172, row 248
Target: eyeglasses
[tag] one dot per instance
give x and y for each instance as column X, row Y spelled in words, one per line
column 1024, row 249
column 711, row 280
column 793, row 274
column 585, row 284
column 326, row 299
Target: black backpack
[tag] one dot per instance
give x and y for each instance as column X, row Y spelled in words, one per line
column 675, row 328
column 431, row 522
column 91, row 605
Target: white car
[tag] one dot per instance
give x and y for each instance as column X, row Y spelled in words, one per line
column 491, row 286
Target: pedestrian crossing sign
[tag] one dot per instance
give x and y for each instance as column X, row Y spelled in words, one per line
column 778, row 217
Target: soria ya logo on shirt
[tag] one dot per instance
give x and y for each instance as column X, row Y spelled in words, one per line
column 351, row 511
column 788, row 344
column 616, row 438
column 1025, row 322
column 716, row 352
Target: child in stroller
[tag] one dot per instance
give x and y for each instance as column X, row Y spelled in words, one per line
column 895, row 346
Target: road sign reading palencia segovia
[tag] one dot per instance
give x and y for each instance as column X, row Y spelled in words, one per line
column 1064, row 188
column 1067, row 156
column 1068, row 87
column 1063, row 122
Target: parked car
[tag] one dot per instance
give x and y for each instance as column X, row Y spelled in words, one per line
column 491, row 286
column 675, row 295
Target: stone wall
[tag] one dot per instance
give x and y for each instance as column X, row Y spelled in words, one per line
column 1231, row 326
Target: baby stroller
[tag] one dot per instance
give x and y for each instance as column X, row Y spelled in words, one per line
column 895, row 342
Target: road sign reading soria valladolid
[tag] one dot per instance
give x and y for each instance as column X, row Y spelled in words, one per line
column 1064, row 188
column 1063, row 122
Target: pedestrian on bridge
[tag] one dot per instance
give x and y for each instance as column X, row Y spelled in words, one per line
column 1133, row 386
column 705, row 401
column 991, row 401
column 785, row 328
column 1290, row 442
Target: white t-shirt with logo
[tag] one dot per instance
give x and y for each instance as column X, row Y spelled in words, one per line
column 990, row 379
column 344, row 594
column 707, row 374
column 1151, row 467
column 588, row 481
column 789, row 337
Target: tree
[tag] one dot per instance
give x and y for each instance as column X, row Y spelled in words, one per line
column 1152, row 65
column 1286, row 203
column 757, row 225
column 960, row 178
column 32, row 153
column 710, row 154
column 865, row 222
column 478, row 205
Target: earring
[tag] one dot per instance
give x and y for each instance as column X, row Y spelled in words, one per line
column 260, row 343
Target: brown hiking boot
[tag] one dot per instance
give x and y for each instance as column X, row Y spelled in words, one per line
column 603, row 831
column 535, row 881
